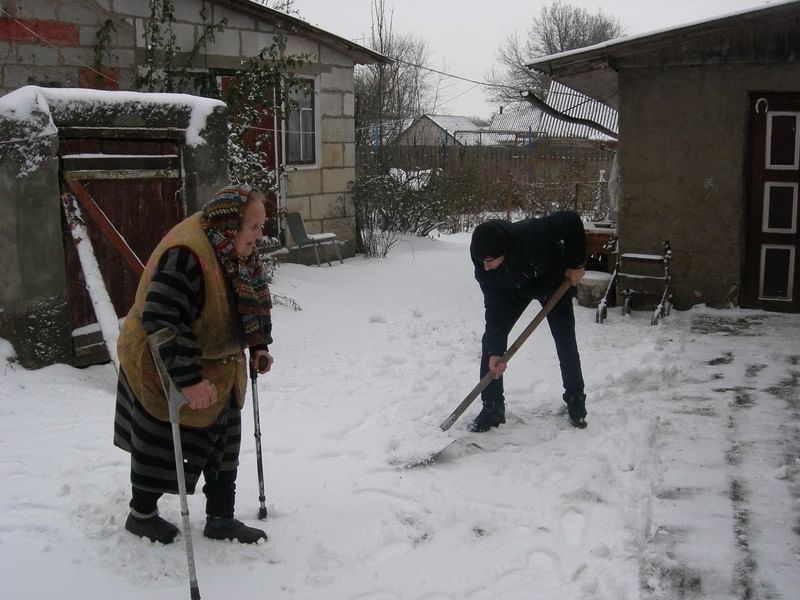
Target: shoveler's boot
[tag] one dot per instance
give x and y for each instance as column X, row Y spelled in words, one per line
column 576, row 407
column 492, row 414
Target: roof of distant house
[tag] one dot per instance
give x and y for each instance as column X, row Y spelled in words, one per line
column 453, row 123
column 520, row 116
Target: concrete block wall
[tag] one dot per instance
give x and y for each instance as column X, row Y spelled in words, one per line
column 683, row 171
column 322, row 193
column 52, row 43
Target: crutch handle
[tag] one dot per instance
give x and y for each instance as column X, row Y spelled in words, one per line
column 175, row 399
column 263, row 362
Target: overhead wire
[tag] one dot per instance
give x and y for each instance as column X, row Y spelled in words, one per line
column 399, row 60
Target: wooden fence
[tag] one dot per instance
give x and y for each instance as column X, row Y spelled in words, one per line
column 536, row 178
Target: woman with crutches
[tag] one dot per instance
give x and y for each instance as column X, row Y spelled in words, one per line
column 205, row 282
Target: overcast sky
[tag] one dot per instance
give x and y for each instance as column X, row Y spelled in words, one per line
column 463, row 35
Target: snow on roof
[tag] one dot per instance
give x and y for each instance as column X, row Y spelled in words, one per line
column 520, row 116
column 453, row 123
column 624, row 40
column 575, row 104
column 22, row 104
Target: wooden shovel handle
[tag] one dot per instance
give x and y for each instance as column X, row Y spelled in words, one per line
column 512, row 350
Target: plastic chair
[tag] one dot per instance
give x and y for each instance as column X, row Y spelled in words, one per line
column 303, row 240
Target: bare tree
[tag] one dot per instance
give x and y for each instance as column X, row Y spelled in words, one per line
column 388, row 95
column 558, row 27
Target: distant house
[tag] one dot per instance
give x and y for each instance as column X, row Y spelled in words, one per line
column 140, row 158
column 709, row 150
column 439, row 130
column 513, row 125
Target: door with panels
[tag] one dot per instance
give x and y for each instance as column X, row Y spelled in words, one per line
column 772, row 262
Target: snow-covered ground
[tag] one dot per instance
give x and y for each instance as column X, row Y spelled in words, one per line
column 685, row 484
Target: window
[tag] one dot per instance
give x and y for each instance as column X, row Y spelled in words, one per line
column 783, row 140
column 300, row 131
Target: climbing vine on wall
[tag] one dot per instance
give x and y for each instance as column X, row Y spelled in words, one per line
column 102, row 50
column 167, row 68
column 257, row 91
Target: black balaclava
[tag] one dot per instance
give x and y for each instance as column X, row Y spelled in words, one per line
column 490, row 240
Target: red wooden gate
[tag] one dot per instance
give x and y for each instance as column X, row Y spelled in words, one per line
column 134, row 175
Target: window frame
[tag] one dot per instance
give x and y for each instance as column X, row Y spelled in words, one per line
column 308, row 148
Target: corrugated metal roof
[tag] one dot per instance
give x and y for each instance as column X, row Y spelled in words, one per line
column 520, row 116
column 575, row 104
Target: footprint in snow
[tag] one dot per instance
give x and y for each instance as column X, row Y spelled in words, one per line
column 572, row 525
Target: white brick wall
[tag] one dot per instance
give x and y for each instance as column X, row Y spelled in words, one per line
column 296, row 45
column 337, row 180
column 254, row 41
column 338, row 78
column 349, row 105
column 44, row 10
column 329, row 56
column 236, row 20
column 315, row 192
column 338, row 130
column 34, row 54
column 330, row 104
column 136, row 8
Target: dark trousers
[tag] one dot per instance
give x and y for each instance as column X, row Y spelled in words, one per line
column 562, row 326
column 219, row 489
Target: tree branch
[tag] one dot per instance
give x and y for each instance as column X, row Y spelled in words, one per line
column 546, row 108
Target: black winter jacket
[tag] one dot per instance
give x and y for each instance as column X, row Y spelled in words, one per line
column 541, row 251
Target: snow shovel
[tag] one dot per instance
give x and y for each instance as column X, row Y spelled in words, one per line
column 512, row 350
column 175, row 399
column 262, row 510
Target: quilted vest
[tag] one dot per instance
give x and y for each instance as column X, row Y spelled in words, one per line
column 218, row 335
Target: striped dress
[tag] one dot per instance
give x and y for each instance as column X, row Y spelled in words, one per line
column 175, row 299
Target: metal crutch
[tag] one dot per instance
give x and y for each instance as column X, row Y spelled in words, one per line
column 175, row 399
column 262, row 510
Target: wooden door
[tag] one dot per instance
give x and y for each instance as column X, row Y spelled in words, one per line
column 137, row 184
column 772, row 262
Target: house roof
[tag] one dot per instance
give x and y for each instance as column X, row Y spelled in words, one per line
column 520, row 116
column 456, row 126
column 453, row 123
column 593, row 70
column 361, row 54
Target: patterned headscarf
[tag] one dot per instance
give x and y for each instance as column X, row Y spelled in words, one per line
column 221, row 220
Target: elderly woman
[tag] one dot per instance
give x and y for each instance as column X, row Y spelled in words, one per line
column 205, row 282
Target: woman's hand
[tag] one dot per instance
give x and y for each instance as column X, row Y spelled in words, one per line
column 262, row 361
column 200, row 395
